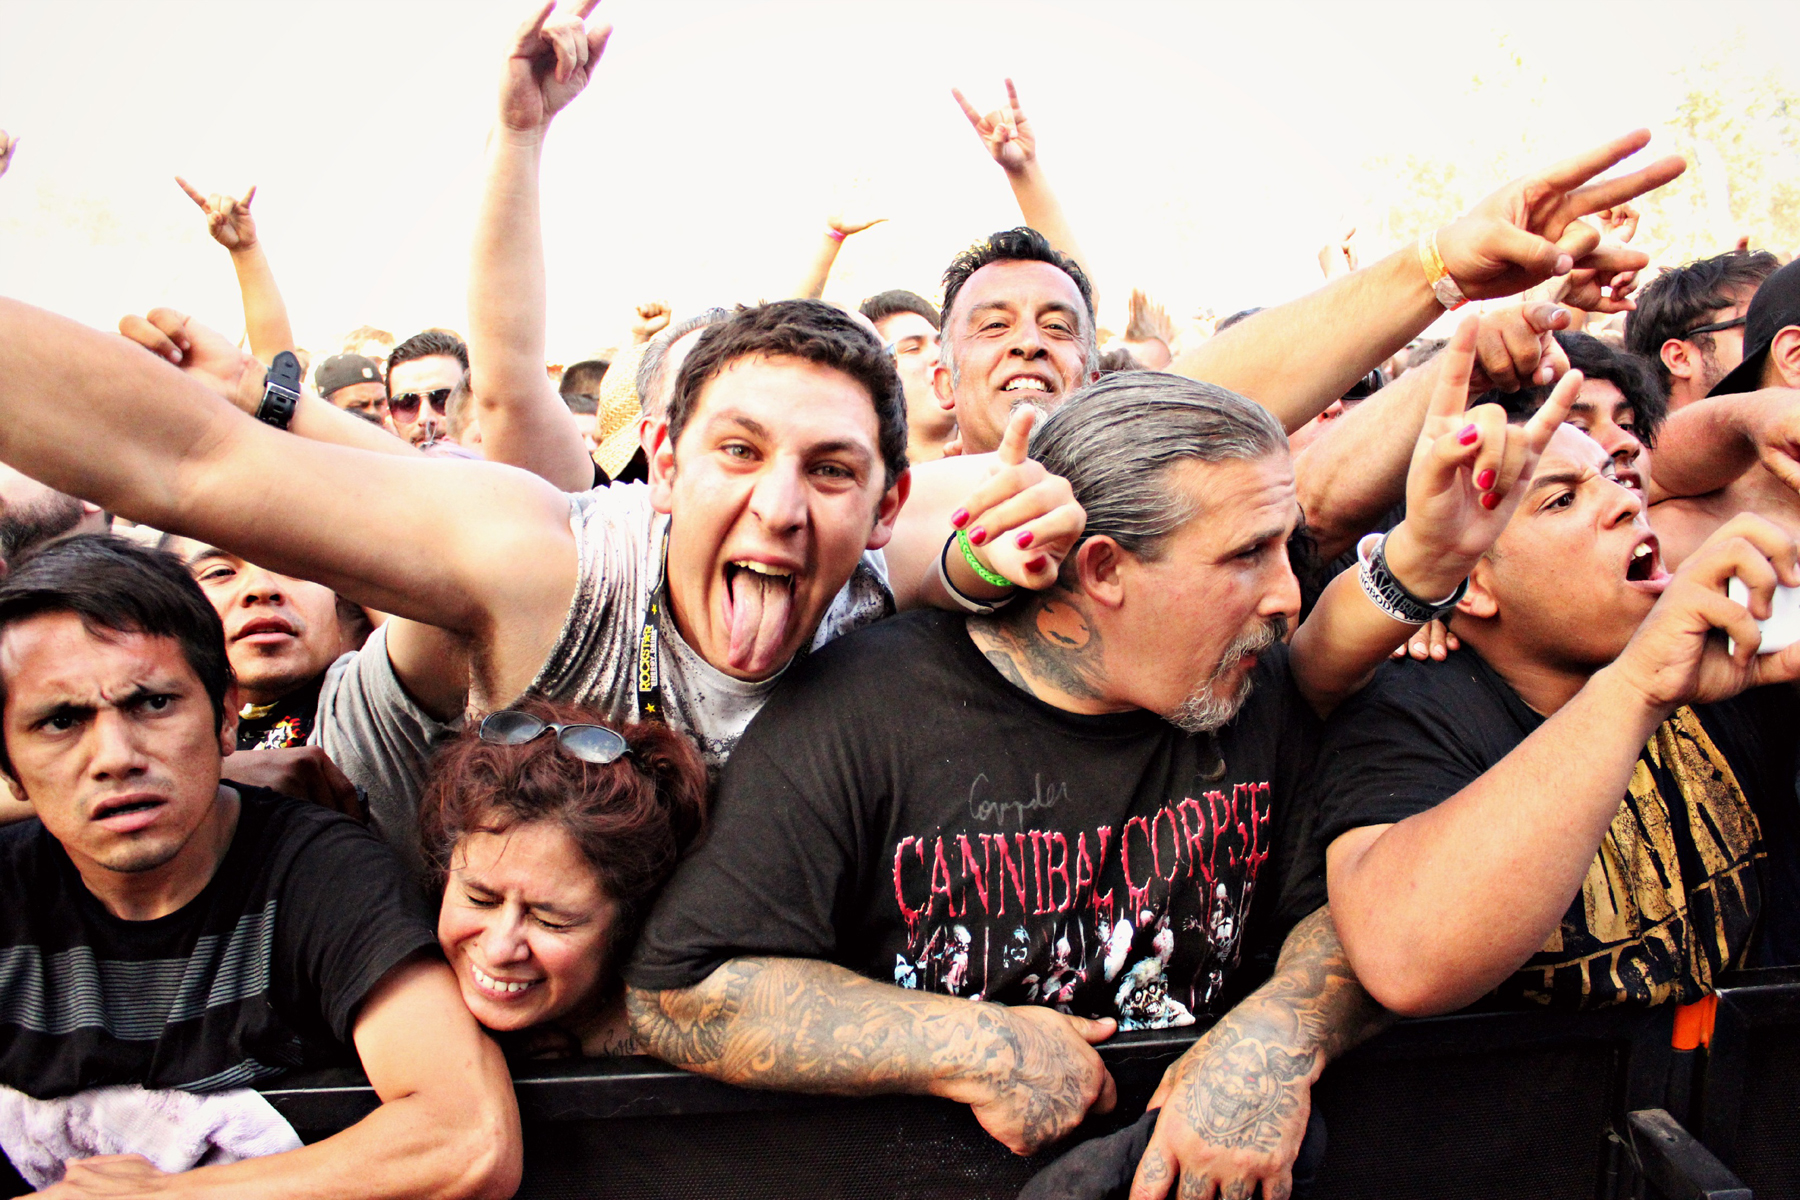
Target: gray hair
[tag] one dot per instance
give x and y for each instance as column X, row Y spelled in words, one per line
column 653, row 367
column 1116, row 440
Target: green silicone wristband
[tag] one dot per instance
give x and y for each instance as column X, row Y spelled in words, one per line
column 993, row 577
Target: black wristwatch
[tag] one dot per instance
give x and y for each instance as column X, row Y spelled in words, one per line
column 281, row 391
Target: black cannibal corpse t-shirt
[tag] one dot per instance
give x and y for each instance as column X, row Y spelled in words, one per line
column 900, row 809
column 1698, row 873
column 261, row 973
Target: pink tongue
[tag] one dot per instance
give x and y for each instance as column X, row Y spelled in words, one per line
column 759, row 616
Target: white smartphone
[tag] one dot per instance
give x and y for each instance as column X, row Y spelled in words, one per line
column 1782, row 629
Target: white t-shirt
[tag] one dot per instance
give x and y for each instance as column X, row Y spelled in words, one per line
column 382, row 740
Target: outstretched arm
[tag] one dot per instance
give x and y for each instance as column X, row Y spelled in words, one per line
column 1297, row 358
column 1271, row 1048
column 229, row 221
column 448, row 1125
column 802, row 1025
column 1709, row 443
column 483, row 550
column 523, row 421
column 812, row 286
column 1007, row 134
column 1461, row 488
column 1440, row 908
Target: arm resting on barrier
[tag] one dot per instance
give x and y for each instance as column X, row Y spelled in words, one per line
column 1030, row 1074
column 1234, row 1107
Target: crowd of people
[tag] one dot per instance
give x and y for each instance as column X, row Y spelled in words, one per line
column 745, row 696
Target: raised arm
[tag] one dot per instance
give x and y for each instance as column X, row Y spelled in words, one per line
column 1297, row 358
column 1461, row 488
column 472, row 547
column 801, row 1025
column 837, row 228
column 1006, row 132
column 1351, row 477
column 1272, row 1046
column 1711, row 442
column 523, row 421
column 229, row 221
column 1440, row 908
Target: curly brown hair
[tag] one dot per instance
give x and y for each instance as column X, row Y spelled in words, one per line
column 632, row 819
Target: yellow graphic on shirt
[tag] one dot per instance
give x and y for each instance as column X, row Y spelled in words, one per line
column 1671, row 898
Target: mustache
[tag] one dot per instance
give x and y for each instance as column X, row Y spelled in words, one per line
column 1256, row 641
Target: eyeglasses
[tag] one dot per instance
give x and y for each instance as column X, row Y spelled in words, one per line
column 1714, row 327
column 405, row 406
column 590, row 743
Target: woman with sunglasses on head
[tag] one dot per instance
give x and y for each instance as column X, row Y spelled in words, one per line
column 550, row 835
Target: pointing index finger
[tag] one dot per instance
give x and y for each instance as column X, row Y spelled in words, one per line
column 1017, row 438
column 1579, row 168
column 187, row 187
column 1450, row 394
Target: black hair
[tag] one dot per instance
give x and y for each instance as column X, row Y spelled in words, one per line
column 883, row 305
column 115, row 584
column 1234, row 318
column 429, row 344
column 1628, row 372
column 1023, row 244
column 581, row 382
column 1683, row 297
column 810, row 330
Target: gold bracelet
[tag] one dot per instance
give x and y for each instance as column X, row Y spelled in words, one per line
column 1438, row 275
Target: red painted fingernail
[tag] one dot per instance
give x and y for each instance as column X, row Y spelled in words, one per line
column 977, row 536
column 1490, row 500
column 959, row 518
column 1467, row 436
column 1485, row 480
column 1024, row 539
column 1038, row 563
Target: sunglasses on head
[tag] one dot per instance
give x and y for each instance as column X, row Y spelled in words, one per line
column 590, row 743
column 1714, row 327
column 405, row 406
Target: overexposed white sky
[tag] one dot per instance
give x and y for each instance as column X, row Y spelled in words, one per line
column 1203, row 151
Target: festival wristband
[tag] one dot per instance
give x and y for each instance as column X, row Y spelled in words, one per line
column 966, row 603
column 836, row 235
column 988, row 576
column 1438, row 275
column 1387, row 592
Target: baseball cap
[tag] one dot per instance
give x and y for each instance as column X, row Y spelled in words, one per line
column 342, row 370
column 1775, row 306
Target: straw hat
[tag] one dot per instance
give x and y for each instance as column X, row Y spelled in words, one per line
column 615, row 425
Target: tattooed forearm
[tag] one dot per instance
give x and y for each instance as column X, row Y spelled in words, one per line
column 802, row 1025
column 1247, row 1083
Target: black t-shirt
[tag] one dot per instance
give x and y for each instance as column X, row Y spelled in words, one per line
column 260, row 973
column 1681, row 879
column 284, row 724
column 900, row 809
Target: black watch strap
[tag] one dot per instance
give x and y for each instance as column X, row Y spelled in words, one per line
column 281, row 391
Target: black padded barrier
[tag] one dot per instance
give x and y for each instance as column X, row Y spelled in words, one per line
column 1748, row 1096
column 1473, row 1105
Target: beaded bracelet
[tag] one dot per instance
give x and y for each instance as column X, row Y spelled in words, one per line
column 987, row 575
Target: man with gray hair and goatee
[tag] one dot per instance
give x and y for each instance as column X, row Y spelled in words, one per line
column 955, row 850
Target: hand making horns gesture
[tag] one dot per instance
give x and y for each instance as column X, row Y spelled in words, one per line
column 1005, row 131
column 550, row 64
column 228, row 219
column 1531, row 229
column 1462, row 486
